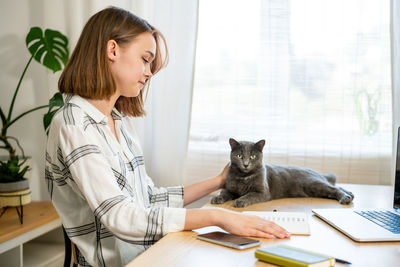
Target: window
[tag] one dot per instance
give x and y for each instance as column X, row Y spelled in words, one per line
column 311, row 77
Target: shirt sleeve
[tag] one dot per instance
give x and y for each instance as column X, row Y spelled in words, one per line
column 90, row 172
column 158, row 196
column 165, row 196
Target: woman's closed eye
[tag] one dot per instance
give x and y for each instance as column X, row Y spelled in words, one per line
column 145, row 60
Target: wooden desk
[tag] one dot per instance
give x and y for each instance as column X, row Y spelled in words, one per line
column 183, row 249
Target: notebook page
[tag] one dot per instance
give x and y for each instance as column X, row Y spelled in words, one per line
column 296, row 223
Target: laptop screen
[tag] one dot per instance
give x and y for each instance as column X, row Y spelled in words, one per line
column 397, row 177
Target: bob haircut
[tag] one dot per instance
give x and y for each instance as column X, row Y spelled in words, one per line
column 88, row 73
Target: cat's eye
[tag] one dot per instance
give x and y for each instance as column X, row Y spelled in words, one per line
column 239, row 156
column 253, row 156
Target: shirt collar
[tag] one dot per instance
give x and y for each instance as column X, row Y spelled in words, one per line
column 116, row 114
column 91, row 110
column 88, row 108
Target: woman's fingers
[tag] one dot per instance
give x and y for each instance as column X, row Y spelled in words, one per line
column 272, row 228
column 276, row 230
column 258, row 233
column 247, row 225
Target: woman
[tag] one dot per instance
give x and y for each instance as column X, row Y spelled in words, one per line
column 95, row 170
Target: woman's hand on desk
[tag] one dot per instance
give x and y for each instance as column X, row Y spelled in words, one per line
column 233, row 222
column 247, row 225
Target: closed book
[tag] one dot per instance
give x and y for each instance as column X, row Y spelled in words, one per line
column 292, row 257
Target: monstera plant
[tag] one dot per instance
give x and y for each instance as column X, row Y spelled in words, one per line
column 50, row 49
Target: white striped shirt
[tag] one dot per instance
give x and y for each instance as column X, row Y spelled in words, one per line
column 108, row 205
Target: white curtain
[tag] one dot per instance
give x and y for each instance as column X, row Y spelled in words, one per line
column 395, row 60
column 312, row 77
column 165, row 129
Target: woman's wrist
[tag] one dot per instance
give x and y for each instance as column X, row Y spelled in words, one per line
column 214, row 217
column 222, row 177
column 198, row 218
column 219, row 181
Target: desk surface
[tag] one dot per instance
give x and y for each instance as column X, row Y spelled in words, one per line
column 183, row 249
column 36, row 214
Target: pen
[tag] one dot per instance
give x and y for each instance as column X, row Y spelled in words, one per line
column 342, row 261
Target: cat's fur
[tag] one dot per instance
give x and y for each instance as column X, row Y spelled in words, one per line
column 251, row 181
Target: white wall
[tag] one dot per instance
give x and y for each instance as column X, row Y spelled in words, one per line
column 16, row 18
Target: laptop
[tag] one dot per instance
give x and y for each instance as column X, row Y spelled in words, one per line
column 368, row 225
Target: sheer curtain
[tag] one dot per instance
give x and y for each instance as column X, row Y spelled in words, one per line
column 164, row 131
column 312, row 77
column 395, row 45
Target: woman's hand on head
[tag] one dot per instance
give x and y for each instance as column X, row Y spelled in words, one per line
column 248, row 225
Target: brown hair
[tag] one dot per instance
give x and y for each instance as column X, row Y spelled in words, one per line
column 87, row 72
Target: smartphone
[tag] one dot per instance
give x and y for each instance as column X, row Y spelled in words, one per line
column 229, row 240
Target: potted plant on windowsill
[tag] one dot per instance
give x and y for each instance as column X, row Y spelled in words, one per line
column 51, row 50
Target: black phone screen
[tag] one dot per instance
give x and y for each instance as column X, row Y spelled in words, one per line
column 220, row 236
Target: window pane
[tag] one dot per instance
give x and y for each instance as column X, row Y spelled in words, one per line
column 312, row 77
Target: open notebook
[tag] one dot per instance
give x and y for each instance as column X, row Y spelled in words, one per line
column 296, row 223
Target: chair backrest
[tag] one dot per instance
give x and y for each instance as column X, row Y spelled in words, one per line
column 69, row 247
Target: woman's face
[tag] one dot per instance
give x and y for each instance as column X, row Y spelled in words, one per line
column 130, row 63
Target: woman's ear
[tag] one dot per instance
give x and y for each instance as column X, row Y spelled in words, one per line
column 112, row 50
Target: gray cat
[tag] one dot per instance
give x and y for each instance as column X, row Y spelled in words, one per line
column 251, row 181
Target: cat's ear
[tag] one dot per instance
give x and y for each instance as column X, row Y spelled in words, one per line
column 233, row 143
column 260, row 144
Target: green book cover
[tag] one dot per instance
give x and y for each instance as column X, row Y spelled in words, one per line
column 292, row 257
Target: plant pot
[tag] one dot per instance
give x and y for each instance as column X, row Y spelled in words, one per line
column 15, row 199
column 14, row 186
column 14, row 194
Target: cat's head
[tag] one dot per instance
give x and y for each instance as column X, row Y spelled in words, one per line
column 246, row 155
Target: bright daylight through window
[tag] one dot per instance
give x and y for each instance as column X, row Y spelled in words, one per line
column 311, row 77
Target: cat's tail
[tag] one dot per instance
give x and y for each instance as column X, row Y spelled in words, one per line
column 331, row 178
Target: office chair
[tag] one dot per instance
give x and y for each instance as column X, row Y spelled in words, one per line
column 70, row 248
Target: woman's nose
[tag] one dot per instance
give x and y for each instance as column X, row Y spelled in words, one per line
column 147, row 72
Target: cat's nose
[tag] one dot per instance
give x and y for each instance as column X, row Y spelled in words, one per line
column 246, row 165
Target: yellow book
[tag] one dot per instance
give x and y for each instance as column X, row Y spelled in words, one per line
column 293, row 257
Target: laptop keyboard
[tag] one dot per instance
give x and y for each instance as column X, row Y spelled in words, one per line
column 386, row 219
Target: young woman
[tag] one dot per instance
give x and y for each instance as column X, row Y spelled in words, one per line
column 95, row 170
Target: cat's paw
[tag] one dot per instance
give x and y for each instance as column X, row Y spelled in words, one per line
column 351, row 195
column 347, row 192
column 240, row 203
column 346, row 199
column 217, row 200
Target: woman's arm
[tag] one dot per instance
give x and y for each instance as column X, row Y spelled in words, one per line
column 198, row 190
column 233, row 222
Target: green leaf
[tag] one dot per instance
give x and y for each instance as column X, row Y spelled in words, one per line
column 50, row 49
column 22, row 173
column 22, row 162
column 47, row 118
column 55, row 101
column 11, row 170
